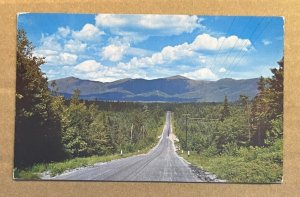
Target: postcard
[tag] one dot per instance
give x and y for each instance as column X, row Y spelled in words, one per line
column 144, row 97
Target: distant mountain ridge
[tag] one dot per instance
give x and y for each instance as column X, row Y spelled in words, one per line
column 170, row 89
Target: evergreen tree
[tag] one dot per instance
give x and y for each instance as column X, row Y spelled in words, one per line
column 276, row 88
column 267, row 105
column 225, row 111
column 244, row 101
column 37, row 130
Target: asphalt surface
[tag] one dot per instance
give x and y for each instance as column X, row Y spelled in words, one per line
column 160, row 164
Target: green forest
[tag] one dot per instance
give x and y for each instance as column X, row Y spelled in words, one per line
column 50, row 128
column 239, row 141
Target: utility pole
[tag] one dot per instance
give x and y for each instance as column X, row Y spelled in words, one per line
column 131, row 130
column 248, row 121
column 186, row 126
column 186, row 119
column 143, row 131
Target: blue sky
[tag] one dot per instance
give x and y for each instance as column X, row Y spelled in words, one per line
column 108, row 47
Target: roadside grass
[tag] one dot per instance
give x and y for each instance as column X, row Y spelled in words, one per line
column 240, row 165
column 56, row 168
column 248, row 165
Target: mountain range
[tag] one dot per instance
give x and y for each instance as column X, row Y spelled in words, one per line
column 170, row 89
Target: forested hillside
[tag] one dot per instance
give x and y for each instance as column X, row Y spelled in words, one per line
column 170, row 89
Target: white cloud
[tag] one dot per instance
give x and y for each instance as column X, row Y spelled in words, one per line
column 111, row 20
column 50, row 43
column 222, row 70
column 67, row 58
column 114, row 52
column 94, row 70
column 109, row 74
column 207, row 42
column 64, row 31
column 61, row 59
column 201, row 74
column 88, row 66
column 157, row 24
column 124, row 37
column 170, row 54
column 44, row 53
column 178, row 23
column 51, row 48
column 75, row 46
column 59, row 49
column 65, row 46
column 89, row 32
column 266, row 42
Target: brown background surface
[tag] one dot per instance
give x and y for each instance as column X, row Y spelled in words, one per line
column 290, row 9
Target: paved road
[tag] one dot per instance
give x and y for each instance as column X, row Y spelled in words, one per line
column 160, row 164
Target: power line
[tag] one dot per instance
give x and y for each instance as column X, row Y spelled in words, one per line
column 219, row 49
column 244, row 43
column 269, row 22
column 235, row 43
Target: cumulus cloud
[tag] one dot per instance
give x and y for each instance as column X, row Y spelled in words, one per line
column 88, row 32
column 208, row 42
column 55, row 54
column 75, row 46
column 156, row 24
column 94, row 70
column 64, row 31
column 44, row 53
column 88, row 66
column 60, row 48
column 111, row 20
column 222, row 70
column 114, row 52
column 108, row 74
column 179, row 52
column 67, row 58
column 178, row 23
column 201, row 74
column 50, row 43
column 55, row 58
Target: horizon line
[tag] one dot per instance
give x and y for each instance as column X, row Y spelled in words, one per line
column 179, row 76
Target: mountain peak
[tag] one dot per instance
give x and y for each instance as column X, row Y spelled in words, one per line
column 71, row 78
column 177, row 77
column 226, row 79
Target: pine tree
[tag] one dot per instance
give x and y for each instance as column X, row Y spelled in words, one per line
column 244, row 100
column 225, row 111
column 276, row 88
column 267, row 104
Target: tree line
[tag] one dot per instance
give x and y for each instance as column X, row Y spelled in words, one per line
column 50, row 128
column 221, row 127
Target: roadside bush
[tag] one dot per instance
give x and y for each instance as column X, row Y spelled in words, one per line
column 211, row 151
column 230, row 149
